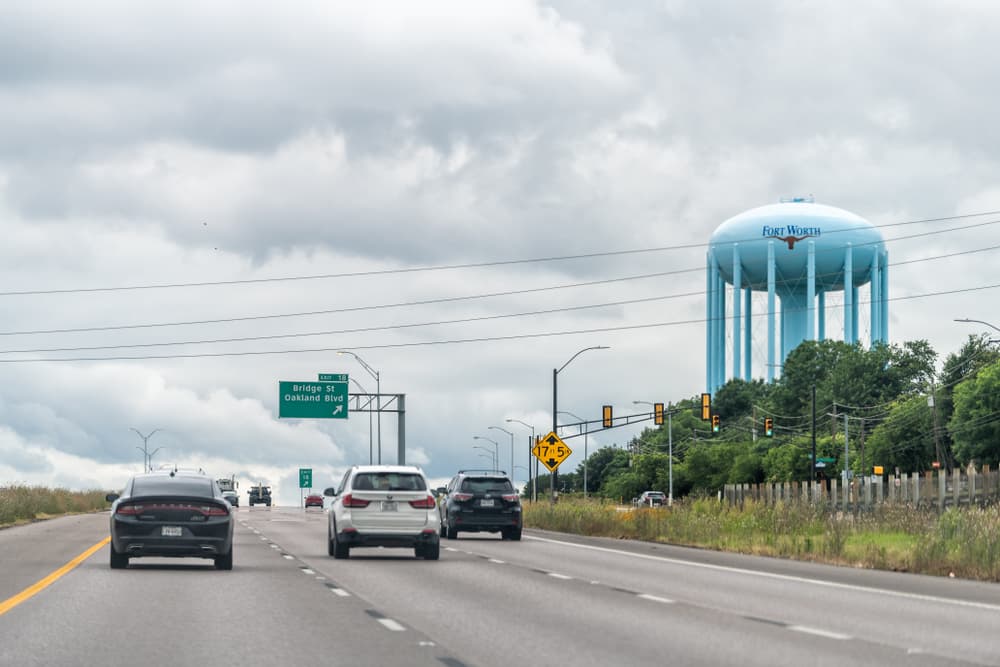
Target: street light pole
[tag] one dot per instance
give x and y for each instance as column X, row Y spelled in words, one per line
column 378, row 395
column 492, row 455
column 585, row 429
column 511, row 447
column 370, row 450
column 553, row 478
column 531, row 445
column 496, row 450
column 145, row 447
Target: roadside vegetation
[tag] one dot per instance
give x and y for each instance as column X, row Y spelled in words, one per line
column 21, row 503
column 963, row 542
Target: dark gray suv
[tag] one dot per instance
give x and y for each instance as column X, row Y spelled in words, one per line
column 480, row 501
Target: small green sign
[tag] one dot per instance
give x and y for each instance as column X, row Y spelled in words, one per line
column 312, row 400
column 333, row 377
column 305, row 478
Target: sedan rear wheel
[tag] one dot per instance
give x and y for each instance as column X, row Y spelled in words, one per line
column 118, row 561
column 224, row 562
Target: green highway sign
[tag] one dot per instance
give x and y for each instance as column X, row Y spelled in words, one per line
column 305, row 478
column 312, row 400
column 333, row 377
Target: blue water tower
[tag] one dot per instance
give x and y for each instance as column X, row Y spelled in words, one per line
column 797, row 250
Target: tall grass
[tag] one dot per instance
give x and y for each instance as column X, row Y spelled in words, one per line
column 20, row 503
column 963, row 542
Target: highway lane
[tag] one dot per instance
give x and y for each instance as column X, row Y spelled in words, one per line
column 270, row 610
column 587, row 601
column 549, row 599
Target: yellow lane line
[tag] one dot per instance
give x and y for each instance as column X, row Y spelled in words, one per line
column 42, row 584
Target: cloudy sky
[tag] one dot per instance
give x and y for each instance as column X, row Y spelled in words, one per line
column 198, row 200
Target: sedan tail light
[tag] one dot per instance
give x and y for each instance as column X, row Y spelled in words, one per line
column 351, row 501
column 205, row 510
column 427, row 503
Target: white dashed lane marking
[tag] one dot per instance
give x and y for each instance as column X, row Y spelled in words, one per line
column 819, row 632
column 559, row 576
column 391, row 624
column 654, row 598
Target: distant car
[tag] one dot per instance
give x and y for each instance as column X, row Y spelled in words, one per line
column 651, row 499
column 383, row 506
column 171, row 514
column 314, row 500
column 481, row 501
column 232, row 497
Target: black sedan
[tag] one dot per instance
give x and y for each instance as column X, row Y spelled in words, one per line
column 172, row 514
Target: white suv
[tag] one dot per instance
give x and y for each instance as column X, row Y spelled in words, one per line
column 383, row 506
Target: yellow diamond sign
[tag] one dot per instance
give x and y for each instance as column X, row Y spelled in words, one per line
column 551, row 451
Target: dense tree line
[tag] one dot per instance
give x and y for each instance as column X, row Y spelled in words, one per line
column 898, row 410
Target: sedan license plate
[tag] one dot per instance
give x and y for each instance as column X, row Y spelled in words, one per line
column 388, row 505
column 171, row 531
column 486, row 502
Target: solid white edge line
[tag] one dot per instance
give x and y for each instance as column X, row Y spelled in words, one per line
column 391, row 624
column 781, row 577
column 818, row 632
column 654, row 598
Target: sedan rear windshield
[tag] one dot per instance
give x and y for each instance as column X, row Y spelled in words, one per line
column 486, row 485
column 172, row 486
column 389, row 481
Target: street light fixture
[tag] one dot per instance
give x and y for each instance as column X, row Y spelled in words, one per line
column 496, row 450
column 553, row 478
column 670, row 449
column 378, row 395
column 585, row 427
column 992, row 340
column 511, row 446
column 145, row 446
column 533, row 480
column 492, row 455
column 365, row 391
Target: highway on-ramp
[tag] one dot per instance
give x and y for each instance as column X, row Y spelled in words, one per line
column 550, row 599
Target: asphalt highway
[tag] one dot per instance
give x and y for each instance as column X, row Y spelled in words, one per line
column 550, row 599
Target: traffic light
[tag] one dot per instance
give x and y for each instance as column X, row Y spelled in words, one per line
column 715, row 423
column 706, row 407
column 606, row 418
column 658, row 414
column 768, row 426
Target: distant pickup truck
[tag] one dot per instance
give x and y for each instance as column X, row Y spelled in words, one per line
column 651, row 499
column 260, row 495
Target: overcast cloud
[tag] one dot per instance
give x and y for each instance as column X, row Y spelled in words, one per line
column 182, row 142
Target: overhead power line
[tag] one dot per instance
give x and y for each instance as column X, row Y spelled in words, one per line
column 483, row 339
column 424, row 302
column 478, row 265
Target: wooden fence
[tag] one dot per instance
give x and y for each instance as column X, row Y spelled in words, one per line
column 932, row 489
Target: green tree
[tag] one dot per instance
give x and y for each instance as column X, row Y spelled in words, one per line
column 975, row 424
column 905, row 439
column 602, row 464
column 736, row 398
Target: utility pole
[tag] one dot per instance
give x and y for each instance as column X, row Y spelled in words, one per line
column 847, row 461
column 937, row 428
column 814, row 434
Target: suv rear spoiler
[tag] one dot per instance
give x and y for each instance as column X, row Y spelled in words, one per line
column 485, row 471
